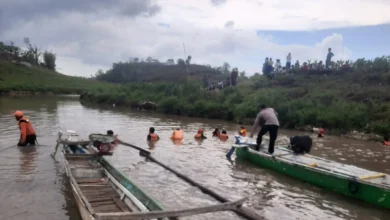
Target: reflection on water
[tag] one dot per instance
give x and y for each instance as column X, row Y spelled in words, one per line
column 35, row 186
column 27, row 160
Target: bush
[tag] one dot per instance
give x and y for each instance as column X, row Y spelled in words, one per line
column 50, row 60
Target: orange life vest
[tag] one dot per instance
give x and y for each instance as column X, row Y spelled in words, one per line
column 26, row 129
column 321, row 132
column 177, row 135
column 198, row 136
column 153, row 137
column 223, row 137
column 243, row 132
column 386, row 143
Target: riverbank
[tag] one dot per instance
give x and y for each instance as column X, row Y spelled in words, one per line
column 18, row 79
column 338, row 103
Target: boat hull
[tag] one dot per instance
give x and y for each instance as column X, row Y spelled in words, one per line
column 346, row 186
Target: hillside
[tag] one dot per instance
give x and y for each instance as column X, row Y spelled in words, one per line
column 19, row 78
column 358, row 99
column 159, row 72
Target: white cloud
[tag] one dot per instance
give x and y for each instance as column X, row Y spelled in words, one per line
column 85, row 41
column 73, row 65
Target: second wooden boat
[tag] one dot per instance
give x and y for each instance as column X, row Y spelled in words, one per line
column 366, row 185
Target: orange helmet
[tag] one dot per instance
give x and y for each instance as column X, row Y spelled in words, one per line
column 18, row 114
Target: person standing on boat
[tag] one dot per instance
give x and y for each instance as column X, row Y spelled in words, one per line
column 27, row 132
column 268, row 121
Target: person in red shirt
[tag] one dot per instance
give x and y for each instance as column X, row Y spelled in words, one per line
column 27, row 132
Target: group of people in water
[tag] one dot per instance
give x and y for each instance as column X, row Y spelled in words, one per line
column 178, row 134
column 265, row 122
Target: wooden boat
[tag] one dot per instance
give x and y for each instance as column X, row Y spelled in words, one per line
column 349, row 180
column 104, row 193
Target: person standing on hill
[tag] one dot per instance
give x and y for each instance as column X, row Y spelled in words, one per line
column 27, row 132
column 288, row 61
column 268, row 121
column 234, row 76
column 329, row 58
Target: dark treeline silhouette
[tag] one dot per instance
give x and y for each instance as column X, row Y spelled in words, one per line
column 151, row 70
column 31, row 55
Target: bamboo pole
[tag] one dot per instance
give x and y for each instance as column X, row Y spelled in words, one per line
column 244, row 212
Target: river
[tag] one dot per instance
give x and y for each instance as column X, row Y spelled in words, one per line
column 34, row 186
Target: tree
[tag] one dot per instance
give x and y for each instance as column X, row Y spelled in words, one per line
column 171, row 62
column 32, row 54
column 181, row 62
column 134, row 60
column 225, row 67
column 188, row 61
column 50, row 60
column 149, row 59
column 99, row 74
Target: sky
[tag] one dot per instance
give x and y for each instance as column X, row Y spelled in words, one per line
column 87, row 35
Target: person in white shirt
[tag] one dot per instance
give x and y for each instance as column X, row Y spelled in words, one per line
column 270, row 62
column 278, row 65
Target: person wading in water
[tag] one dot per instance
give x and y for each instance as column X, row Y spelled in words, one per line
column 268, row 121
column 27, row 132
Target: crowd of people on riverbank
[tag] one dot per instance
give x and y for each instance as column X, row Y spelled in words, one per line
column 271, row 69
column 230, row 81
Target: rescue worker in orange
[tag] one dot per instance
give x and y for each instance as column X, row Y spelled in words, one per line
column 177, row 134
column 152, row 136
column 242, row 131
column 386, row 141
column 321, row 132
column 200, row 134
column 223, row 136
column 27, row 132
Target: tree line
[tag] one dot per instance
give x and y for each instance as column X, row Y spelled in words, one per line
column 32, row 54
column 151, row 69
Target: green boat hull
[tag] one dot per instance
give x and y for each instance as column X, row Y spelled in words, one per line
column 144, row 198
column 346, row 186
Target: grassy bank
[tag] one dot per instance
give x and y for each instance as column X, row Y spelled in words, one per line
column 341, row 103
column 35, row 79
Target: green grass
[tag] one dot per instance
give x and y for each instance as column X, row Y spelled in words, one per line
column 350, row 101
column 18, row 78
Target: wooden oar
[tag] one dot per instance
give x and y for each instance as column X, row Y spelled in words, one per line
column 244, row 212
column 228, row 206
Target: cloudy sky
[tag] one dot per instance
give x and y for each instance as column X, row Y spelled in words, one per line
column 88, row 35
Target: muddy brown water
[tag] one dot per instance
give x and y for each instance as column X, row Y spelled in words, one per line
column 33, row 186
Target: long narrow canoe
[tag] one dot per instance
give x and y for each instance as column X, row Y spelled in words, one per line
column 101, row 190
column 104, row 193
column 349, row 180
